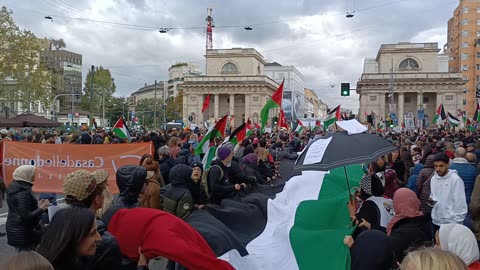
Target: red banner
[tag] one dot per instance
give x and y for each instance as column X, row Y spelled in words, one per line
column 54, row 161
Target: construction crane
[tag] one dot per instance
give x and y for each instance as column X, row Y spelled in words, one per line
column 210, row 25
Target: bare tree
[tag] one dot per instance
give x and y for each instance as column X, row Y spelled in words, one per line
column 58, row 43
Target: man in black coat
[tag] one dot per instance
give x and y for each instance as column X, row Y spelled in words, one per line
column 166, row 163
column 218, row 180
column 84, row 189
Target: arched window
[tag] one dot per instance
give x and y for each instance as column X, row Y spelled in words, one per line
column 409, row 64
column 229, row 68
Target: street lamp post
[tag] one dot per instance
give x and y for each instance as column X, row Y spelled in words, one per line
column 91, row 96
column 55, row 100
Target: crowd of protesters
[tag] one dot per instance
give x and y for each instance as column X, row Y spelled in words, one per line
column 423, row 195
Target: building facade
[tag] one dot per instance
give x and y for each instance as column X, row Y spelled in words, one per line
column 66, row 68
column 420, row 83
column 237, row 83
column 312, row 104
column 463, row 48
column 293, row 89
column 176, row 75
column 322, row 109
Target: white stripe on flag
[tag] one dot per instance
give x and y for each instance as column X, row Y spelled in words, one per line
column 272, row 250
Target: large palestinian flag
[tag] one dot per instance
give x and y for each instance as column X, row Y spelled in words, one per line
column 304, row 227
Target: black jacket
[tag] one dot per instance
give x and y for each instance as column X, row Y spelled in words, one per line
column 409, row 232
column 252, row 170
column 220, row 187
column 130, row 181
column 177, row 198
column 23, row 216
column 108, row 252
column 166, row 165
column 73, row 263
column 236, row 175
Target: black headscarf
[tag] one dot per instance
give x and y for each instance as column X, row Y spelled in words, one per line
column 371, row 185
column 372, row 250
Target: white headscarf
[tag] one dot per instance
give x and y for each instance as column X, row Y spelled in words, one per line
column 459, row 240
column 24, row 173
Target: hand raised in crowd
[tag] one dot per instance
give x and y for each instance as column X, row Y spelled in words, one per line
column 43, row 204
column 238, row 187
column 364, row 224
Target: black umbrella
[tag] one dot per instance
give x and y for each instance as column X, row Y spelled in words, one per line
column 343, row 150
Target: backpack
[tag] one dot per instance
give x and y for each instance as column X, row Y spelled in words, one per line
column 206, row 183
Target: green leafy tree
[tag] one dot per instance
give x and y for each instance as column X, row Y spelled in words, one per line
column 116, row 108
column 174, row 108
column 103, row 88
column 22, row 78
column 58, row 44
column 145, row 109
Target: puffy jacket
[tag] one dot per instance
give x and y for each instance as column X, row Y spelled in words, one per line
column 220, row 187
column 423, row 187
column 184, row 157
column 107, row 252
column 467, row 172
column 166, row 165
column 412, row 180
column 23, row 216
column 449, row 192
column 130, row 181
column 177, row 198
column 410, row 232
column 236, row 175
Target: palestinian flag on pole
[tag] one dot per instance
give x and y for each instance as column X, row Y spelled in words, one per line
column 332, row 117
column 305, row 225
column 274, row 102
column 249, row 128
column 318, row 124
column 469, row 125
column 218, row 130
column 476, row 114
column 464, row 118
column 300, row 127
column 453, row 120
column 380, row 125
column 237, row 134
column 206, row 103
column 440, row 115
column 282, row 121
column 120, row 128
column 208, row 157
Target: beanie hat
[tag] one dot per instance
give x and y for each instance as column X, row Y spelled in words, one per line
column 223, row 152
column 197, row 164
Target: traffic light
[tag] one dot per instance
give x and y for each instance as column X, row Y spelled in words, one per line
column 345, row 89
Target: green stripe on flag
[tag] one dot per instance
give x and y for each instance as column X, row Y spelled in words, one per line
column 320, row 226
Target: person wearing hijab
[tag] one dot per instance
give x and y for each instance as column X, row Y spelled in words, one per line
column 25, row 211
column 371, row 250
column 409, row 227
column 376, row 210
column 459, row 240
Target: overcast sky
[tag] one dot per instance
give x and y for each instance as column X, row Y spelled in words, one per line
column 313, row 35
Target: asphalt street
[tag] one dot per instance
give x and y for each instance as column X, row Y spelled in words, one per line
column 6, row 251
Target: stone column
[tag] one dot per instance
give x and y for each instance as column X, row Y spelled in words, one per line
column 186, row 108
column 232, row 104
column 363, row 106
column 381, row 98
column 439, row 99
column 247, row 107
column 217, row 100
column 199, row 110
column 401, row 105
column 420, row 101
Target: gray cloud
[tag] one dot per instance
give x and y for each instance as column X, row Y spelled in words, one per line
column 313, row 35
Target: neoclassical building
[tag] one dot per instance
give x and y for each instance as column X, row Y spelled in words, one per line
column 237, row 84
column 420, row 81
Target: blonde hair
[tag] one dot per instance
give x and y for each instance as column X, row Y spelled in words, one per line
column 432, row 259
column 29, row 260
column 107, row 201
